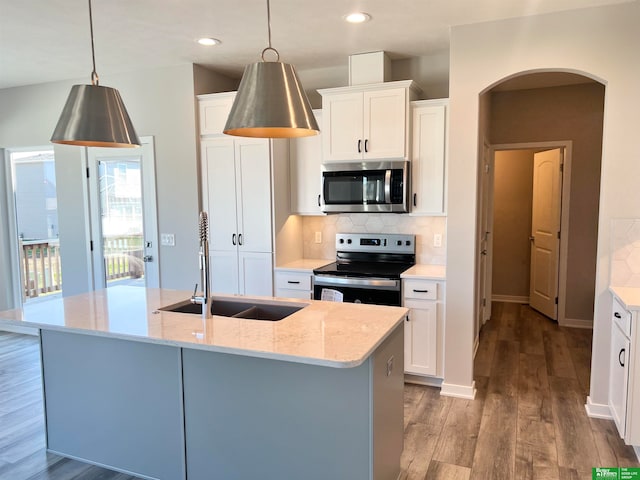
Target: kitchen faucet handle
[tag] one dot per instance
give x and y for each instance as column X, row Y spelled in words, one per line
column 195, row 289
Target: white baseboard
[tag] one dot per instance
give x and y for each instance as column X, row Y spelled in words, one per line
column 458, row 391
column 576, row 323
column 19, row 329
column 509, row 298
column 423, row 380
column 597, row 410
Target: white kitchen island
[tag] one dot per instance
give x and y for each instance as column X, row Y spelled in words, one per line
column 165, row 395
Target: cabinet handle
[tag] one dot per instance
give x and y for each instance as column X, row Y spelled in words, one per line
column 359, row 146
column 421, row 291
column 233, row 239
column 366, row 145
column 291, row 281
column 239, row 239
column 407, row 318
column 617, row 315
column 319, row 201
column 620, row 356
column 415, row 204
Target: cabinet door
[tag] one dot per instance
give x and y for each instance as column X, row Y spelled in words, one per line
column 420, row 344
column 219, row 192
column 342, row 127
column 256, row 273
column 213, row 113
column 253, row 195
column 306, row 173
column 385, row 119
column 618, row 378
column 428, row 160
column 224, row 272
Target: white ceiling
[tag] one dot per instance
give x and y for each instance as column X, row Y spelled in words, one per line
column 48, row 40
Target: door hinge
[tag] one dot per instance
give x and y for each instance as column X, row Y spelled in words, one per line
column 562, row 167
column 558, row 234
column 486, row 168
column 87, row 172
column 484, row 302
column 556, row 300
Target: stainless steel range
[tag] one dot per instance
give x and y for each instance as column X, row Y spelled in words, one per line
column 367, row 267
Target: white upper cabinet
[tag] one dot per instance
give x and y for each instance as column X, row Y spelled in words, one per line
column 429, row 120
column 306, row 173
column 367, row 122
column 213, row 112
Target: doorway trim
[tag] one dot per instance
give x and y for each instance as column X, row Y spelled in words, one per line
column 564, row 219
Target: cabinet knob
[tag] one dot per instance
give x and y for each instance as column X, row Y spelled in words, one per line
column 621, row 357
column 359, row 146
column 415, row 204
column 233, row 239
column 291, row 281
column 420, row 291
column 617, row 315
column 407, row 318
column 366, row 145
column 239, row 239
column 319, row 201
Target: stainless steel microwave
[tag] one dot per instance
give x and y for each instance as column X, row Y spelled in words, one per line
column 365, row 187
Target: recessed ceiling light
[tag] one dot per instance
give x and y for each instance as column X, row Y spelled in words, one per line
column 357, row 17
column 209, row 41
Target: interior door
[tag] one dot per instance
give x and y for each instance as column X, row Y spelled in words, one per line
column 124, row 215
column 545, row 232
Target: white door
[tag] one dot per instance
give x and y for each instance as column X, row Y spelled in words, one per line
column 124, row 225
column 385, row 118
column 545, row 232
column 253, row 171
column 342, row 127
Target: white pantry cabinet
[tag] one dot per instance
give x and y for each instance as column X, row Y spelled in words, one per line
column 429, row 123
column 243, row 181
column 306, row 173
column 423, row 327
column 367, row 122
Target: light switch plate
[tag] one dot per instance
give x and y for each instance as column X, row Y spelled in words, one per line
column 167, row 239
column 318, row 237
column 437, row 239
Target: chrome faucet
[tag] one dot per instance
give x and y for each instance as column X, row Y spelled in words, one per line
column 204, row 299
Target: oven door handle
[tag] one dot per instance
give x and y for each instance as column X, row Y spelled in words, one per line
column 329, row 280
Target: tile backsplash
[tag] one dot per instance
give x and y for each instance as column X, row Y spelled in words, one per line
column 423, row 228
column 625, row 253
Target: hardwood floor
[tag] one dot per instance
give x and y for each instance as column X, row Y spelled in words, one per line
column 527, row 421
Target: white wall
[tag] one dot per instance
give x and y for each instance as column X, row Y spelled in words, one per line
column 597, row 42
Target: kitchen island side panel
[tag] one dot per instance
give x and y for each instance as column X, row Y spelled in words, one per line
column 114, row 403
column 255, row 418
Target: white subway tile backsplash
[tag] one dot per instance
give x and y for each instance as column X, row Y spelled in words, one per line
column 625, row 253
column 422, row 227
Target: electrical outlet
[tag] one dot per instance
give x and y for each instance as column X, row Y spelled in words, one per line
column 167, row 239
column 318, row 237
column 437, row 239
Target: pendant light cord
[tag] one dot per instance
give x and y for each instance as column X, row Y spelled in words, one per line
column 269, row 32
column 94, row 75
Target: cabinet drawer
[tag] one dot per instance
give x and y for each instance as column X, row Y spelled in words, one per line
column 420, row 289
column 621, row 316
column 293, row 281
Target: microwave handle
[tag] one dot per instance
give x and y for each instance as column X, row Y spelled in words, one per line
column 387, row 186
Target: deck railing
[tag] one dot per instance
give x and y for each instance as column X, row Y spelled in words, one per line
column 42, row 269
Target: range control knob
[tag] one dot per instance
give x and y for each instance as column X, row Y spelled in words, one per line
column 349, row 241
column 399, row 242
column 341, row 240
column 407, row 243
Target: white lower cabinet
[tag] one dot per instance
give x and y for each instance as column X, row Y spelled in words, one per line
column 293, row 285
column 423, row 327
column 619, row 377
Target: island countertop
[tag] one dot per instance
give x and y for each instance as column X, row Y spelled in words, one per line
column 322, row 333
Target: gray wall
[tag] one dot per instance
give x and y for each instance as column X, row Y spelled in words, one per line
column 160, row 103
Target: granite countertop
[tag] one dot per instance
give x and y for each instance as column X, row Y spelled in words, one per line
column 629, row 296
column 425, row 272
column 303, row 265
column 323, row 333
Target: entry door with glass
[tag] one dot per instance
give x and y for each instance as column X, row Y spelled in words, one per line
column 124, row 219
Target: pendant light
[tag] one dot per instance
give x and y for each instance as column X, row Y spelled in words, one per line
column 95, row 116
column 271, row 102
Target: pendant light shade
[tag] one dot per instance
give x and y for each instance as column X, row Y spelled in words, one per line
column 271, row 102
column 95, row 116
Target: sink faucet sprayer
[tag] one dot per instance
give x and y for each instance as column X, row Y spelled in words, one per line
column 205, row 298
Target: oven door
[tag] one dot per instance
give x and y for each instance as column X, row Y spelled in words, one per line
column 376, row 291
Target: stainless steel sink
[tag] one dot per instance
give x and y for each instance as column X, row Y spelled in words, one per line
column 238, row 309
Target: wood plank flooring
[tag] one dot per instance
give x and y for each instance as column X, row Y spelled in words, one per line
column 527, row 421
